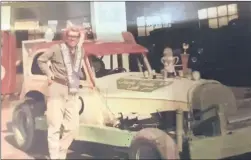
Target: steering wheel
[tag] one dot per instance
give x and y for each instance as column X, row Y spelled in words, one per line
column 98, row 64
column 117, row 70
column 99, row 67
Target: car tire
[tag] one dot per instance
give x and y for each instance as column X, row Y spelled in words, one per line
column 23, row 125
column 152, row 143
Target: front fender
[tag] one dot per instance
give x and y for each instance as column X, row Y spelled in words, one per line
column 40, row 86
column 213, row 93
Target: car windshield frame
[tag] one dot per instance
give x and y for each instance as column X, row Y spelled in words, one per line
column 142, row 62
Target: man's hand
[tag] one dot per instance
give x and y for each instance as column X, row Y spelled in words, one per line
column 50, row 79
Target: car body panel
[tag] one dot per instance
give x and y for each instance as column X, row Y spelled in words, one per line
column 232, row 144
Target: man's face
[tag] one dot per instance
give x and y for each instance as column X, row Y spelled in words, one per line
column 72, row 38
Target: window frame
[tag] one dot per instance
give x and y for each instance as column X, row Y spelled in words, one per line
column 151, row 25
column 217, row 15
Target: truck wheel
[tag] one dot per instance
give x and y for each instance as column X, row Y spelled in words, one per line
column 23, row 125
column 151, row 143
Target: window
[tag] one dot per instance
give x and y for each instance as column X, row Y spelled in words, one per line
column 35, row 70
column 146, row 24
column 218, row 16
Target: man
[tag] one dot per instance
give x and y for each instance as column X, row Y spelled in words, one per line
column 62, row 101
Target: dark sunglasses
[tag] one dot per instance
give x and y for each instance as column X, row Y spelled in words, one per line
column 70, row 36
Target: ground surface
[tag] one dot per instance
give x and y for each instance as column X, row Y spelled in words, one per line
column 81, row 150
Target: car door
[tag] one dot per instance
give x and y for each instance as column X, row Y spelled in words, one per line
column 95, row 110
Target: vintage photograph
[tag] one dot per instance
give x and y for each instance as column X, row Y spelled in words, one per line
column 125, row 80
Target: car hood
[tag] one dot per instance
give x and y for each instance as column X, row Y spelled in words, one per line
column 134, row 85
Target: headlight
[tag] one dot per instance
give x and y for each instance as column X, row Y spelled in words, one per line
column 196, row 75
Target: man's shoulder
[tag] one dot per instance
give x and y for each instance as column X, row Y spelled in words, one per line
column 54, row 48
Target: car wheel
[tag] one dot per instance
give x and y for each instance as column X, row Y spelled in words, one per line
column 151, row 143
column 23, row 125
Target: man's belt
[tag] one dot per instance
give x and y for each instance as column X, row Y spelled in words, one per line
column 63, row 82
column 60, row 81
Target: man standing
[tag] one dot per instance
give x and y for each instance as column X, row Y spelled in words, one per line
column 62, row 101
